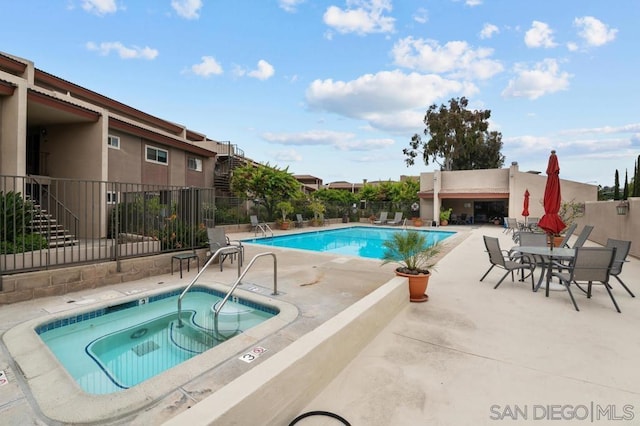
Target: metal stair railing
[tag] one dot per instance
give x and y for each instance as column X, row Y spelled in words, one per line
column 222, row 250
column 238, row 281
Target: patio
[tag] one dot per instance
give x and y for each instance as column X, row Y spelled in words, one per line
column 471, row 355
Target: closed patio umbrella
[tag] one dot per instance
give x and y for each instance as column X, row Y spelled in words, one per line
column 525, row 207
column 551, row 221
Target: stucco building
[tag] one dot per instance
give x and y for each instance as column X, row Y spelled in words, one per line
column 484, row 194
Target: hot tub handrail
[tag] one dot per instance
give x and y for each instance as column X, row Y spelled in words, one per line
column 215, row 255
column 237, row 282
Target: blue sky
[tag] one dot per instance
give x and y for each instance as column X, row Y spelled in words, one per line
column 337, row 88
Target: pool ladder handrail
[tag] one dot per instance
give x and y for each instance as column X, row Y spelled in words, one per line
column 221, row 250
column 238, row 282
column 263, row 227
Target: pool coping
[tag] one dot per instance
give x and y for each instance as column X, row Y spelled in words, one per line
column 59, row 396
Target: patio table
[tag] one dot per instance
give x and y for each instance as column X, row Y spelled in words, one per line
column 548, row 255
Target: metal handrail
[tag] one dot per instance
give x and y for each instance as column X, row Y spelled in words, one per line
column 215, row 255
column 235, row 284
column 263, row 227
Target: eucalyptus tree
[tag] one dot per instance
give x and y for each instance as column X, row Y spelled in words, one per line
column 458, row 139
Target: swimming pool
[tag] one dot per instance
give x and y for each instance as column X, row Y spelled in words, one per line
column 362, row 241
column 120, row 346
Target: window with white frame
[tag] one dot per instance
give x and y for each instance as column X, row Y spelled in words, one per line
column 194, row 163
column 112, row 197
column 157, row 155
column 113, row 142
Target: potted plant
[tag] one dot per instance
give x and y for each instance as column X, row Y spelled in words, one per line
column 285, row 208
column 411, row 250
column 415, row 215
column 445, row 215
column 317, row 207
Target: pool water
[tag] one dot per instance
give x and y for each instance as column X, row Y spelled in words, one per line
column 121, row 346
column 362, row 241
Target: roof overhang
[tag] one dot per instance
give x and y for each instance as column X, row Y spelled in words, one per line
column 6, row 88
column 488, row 195
column 158, row 137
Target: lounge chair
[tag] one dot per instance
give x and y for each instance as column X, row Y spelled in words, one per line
column 299, row 221
column 218, row 240
column 382, row 220
column 397, row 220
column 501, row 259
column 257, row 226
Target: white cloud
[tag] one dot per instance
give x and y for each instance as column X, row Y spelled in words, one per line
column 207, row 67
column 571, row 46
column 544, row 78
column 627, row 128
column 421, row 16
column 539, row 35
column 594, row 31
column 288, row 156
column 289, row 5
column 124, row 52
column 188, row 9
column 473, row 2
column 361, row 17
column 264, row 71
column 343, row 141
column 456, row 58
column 389, row 100
column 488, row 30
column 99, row 7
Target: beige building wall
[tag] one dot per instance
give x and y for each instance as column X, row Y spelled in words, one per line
column 124, row 163
column 602, row 215
column 461, row 189
column 13, row 129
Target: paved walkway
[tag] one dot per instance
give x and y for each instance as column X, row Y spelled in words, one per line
column 472, row 355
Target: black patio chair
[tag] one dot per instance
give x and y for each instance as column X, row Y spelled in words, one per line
column 501, row 259
column 591, row 265
column 622, row 250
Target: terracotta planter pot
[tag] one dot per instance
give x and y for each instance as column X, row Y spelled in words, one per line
column 444, row 222
column 284, row 225
column 417, row 286
column 556, row 239
column 418, row 222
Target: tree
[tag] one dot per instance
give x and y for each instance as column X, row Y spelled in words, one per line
column 458, row 137
column 616, row 186
column 636, row 176
column 625, row 190
column 269, row 185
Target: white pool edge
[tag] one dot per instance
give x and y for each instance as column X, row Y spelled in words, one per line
column 61, row 399
column 275, row 391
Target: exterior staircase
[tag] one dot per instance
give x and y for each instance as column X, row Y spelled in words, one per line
column 46, row 225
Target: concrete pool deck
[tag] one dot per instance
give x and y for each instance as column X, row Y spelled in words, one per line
column 471, row 355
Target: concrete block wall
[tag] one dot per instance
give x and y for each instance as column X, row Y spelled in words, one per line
column 56, row 282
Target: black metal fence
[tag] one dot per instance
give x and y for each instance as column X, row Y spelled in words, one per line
column 46, row 222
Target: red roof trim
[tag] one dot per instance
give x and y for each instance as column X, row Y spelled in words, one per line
column 60, row 104
column 51, row 81
column 7, row 88
column 159, row 138
column 11, row 65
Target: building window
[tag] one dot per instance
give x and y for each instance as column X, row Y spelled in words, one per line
column 112, row 197
column 157, row 155
column 194, row 163
column 113, row 142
